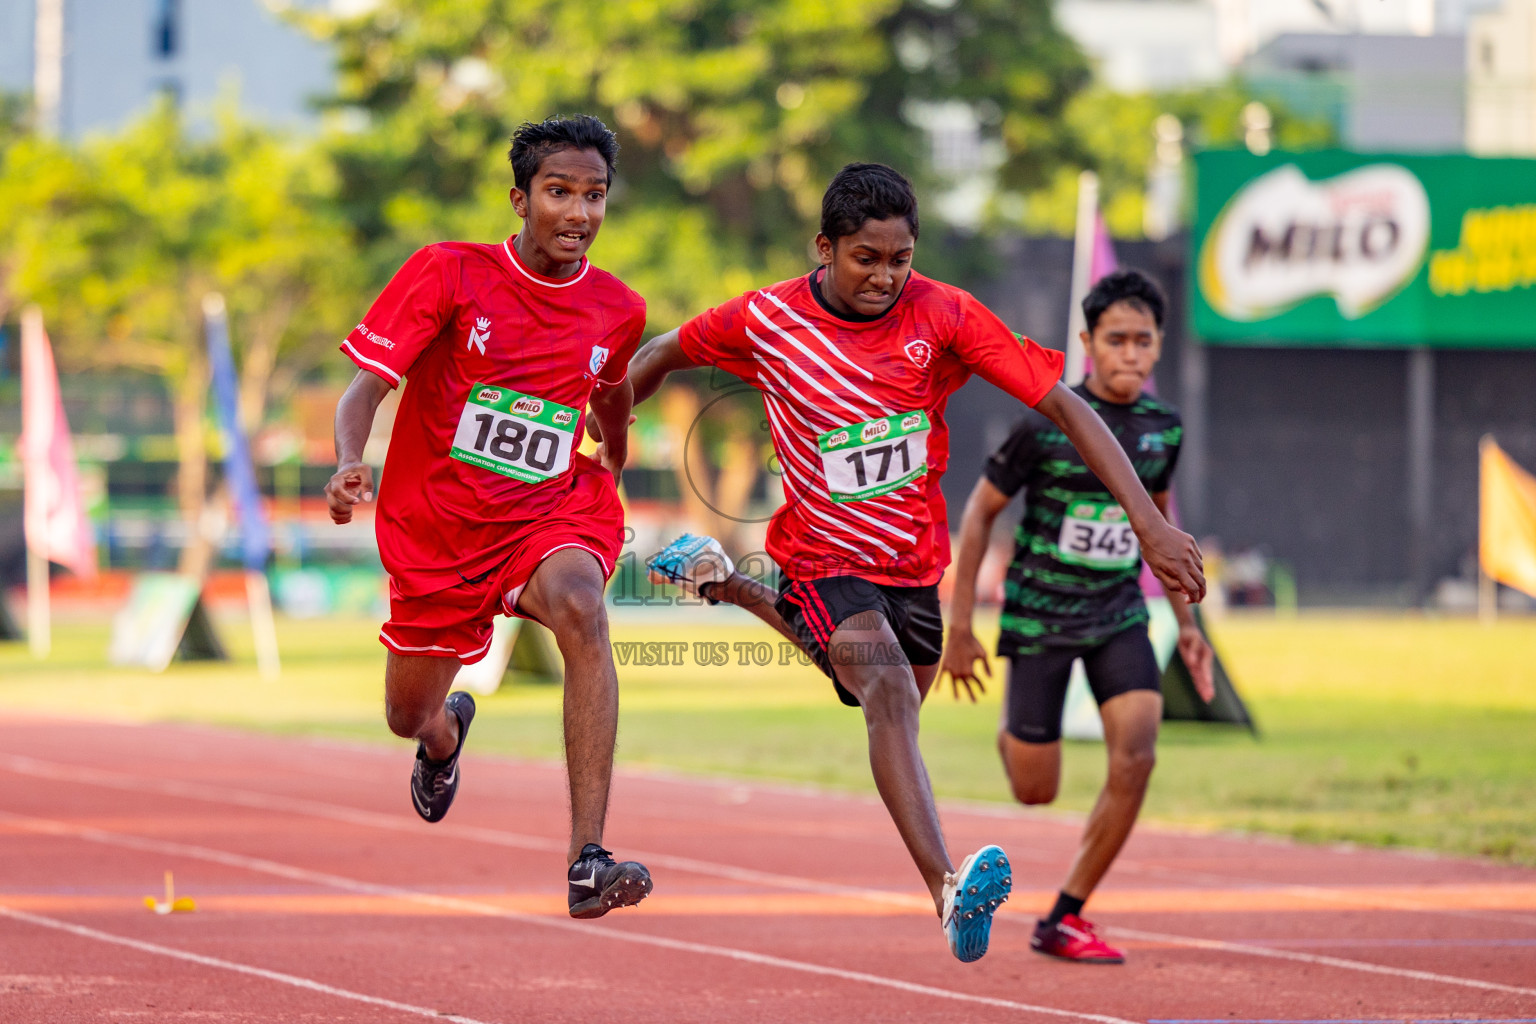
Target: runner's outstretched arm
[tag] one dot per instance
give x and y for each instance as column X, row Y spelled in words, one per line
column 1193, row 647
column 610, row 409
column 352, row 483
column 1173, row 554
column 961, row 648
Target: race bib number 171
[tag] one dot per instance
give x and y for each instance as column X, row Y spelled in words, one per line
column 866, row 460
column 517, row 435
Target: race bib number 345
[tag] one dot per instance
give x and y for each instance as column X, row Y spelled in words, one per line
column 517, row 435
column 1097, row 534
column 866, row 460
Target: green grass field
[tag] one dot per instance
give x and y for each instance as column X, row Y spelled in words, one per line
column 1390, row 730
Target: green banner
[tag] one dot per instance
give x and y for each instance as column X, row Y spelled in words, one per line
column 1336, row 248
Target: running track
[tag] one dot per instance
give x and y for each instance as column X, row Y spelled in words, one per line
column 321, row 897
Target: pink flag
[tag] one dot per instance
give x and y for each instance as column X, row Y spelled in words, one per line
column 1103, row 261
column 55, row 521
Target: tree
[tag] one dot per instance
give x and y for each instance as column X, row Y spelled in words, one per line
column 119, row 240
column 732, row 115
column 1112, row 134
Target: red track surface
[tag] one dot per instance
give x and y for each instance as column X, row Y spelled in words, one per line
column 321, row 897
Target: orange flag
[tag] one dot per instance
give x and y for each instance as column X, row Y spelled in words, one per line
column 54, row 515
column 1507, row 524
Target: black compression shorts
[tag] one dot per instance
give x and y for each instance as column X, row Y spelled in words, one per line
column 1037, row 683
column 814, row 608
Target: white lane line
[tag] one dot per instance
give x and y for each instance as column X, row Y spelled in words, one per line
column 62, row 829
column 402, row 823
column 244, row 798
column 1325, row 961
column 285, row 805
column 230, row 965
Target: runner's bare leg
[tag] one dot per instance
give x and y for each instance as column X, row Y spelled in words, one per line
column 1130, row 736
column 754, row 596
column 566, row 594
column 896, row 694
column 891, row 700
column 414, row 691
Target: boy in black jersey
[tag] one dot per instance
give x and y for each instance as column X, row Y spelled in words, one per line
column 1072, row 592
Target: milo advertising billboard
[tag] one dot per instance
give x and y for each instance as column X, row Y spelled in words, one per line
column 1335, row 248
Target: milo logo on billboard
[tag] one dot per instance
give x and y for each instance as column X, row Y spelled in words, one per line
column 1359, row 237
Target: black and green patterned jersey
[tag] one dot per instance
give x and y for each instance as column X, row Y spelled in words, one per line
column 1074, row 578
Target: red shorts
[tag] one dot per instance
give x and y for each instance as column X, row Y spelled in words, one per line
column 457, row 622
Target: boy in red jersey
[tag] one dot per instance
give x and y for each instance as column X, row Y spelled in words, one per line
column 856, row 362
column 487, row 506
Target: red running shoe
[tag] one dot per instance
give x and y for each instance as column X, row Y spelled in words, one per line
column 1074, row 939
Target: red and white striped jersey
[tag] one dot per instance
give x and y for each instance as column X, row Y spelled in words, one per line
column 856, row 410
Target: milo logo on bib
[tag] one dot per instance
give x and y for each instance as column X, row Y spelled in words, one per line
column 521, row 436
column 875, row 430
column 866, row 460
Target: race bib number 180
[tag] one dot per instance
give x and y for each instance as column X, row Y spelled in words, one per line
column 1097, row 534
column 514, row 434
column 866, row 460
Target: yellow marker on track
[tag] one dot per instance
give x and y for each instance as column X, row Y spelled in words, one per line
column 172, row 905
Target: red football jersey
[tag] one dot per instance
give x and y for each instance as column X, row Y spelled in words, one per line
column 502, row 362
column 856, row 410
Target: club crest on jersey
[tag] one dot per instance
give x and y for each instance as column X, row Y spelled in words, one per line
column 528, row 406
column 920, row 352
column 598, row 360
column 480, row 334
column 563, row 419
column 488, row 395
column 875, row 430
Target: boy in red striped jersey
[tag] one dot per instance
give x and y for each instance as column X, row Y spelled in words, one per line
column 856, row 362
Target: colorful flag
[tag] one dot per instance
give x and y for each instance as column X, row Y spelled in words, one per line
column 54, row 513
column 1506, row 536
column 239, row 473
column 1103, row 261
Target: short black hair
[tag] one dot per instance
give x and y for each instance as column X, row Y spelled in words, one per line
column 862, row 192
column 1130, row 286
column 531, row 143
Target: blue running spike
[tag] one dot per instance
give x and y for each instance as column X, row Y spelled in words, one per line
column 971, row 896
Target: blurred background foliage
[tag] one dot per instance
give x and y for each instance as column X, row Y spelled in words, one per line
column 732, row 115
column 119, row 239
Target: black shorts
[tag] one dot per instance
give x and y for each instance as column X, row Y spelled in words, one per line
column 814, row 608
column 1037, row 683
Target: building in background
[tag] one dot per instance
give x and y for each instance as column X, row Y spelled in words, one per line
column 1140, row 45
column 94, row 64
column 1147, row 45
column 1501, row 81
column 1382, row 92
column 1388, row 74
